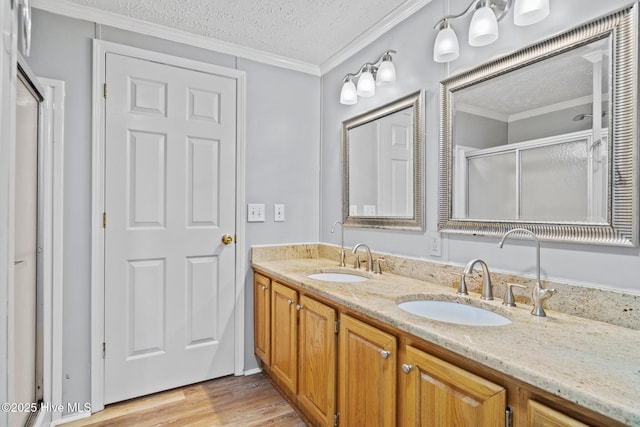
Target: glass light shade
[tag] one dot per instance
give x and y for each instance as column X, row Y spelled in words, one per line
column 386, row 74
column 446, row 47
column 527, row 12
column 483, row 29
column 348, row 95
column 366, row 85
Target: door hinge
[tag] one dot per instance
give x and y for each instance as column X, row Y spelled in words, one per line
column 336, row 327
column 336, row 419
column 104, row 88
column 104, row 220
column 508, row 420
column 104, row 350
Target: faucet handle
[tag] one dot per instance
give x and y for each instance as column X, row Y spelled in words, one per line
column 508, row 299
column 462, row 288
column 377, row 268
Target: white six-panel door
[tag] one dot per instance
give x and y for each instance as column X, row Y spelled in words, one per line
column 169, row 197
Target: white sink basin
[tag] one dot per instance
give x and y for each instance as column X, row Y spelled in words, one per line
column 453, row 312
column 338, row 277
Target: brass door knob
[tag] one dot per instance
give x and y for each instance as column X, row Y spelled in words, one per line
column 227, row 239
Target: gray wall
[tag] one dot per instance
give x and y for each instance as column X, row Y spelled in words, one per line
column 479, row 132
column 600, row 266
column 282, row 164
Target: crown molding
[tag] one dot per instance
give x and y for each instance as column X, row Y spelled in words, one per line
column 74, row 10
column 482, row 112
column 387, row 23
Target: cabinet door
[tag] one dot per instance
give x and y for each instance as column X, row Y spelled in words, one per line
column 367, row 375
column 262, row 317
column 317, row 360
column 539, row 415
column 284, row 335
column 437, row 393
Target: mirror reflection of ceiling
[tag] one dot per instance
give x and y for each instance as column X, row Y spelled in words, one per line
column 310, row 31
column 557, row 80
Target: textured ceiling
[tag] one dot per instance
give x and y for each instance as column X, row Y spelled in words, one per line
column 311, row 31
column 557, row 80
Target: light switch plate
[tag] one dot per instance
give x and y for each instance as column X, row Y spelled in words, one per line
column 255, row 212
column 278, row 212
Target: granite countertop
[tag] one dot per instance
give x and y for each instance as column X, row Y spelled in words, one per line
column 591, row 363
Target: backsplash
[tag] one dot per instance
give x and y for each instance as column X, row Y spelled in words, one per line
column 602, row 305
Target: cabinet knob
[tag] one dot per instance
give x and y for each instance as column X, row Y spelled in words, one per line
column 290, row 302
column 299, row 307
column 264, row 288
column 406, row 368
column 385, row 354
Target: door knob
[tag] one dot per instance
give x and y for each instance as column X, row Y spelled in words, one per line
column 227, row 239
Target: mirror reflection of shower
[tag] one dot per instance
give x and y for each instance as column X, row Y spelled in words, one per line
column 583, row 116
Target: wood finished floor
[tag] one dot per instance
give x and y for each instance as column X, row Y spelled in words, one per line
column 230, row 401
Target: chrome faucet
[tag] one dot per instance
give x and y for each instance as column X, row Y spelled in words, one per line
column 342, row 264
column 487, row 290
column 369, row 258
column 539, row 294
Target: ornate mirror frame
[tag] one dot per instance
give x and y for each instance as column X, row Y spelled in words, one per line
column 621, row 227
column 415, row 101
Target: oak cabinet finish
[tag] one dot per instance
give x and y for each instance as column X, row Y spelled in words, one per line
column 539, row 415
column 317, row 360
column 262, row 317
column 367, row 374
column 437, row 393
column 295, row 339
column 284, row 335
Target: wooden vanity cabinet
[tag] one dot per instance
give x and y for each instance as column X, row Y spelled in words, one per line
column 284, row 335
column 380, row 368
column 262, row 317
column 301, row 356
column 367, row 374
column 437, row 393
column 317, row 360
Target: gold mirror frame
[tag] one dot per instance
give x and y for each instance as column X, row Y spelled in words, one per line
column 414, row 101
column 621, row 227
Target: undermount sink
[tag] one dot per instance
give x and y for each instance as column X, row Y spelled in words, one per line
column 338, row 277
column 454, row 312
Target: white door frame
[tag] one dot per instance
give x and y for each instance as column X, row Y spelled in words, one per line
column 52, row 185
column 100, row 49
column 8, row 64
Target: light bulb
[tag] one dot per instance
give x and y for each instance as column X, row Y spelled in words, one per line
column 446, row 47
column 366, row 84
column 483, row 29
column 527, row 12
column 348, row 95
column 386, row 74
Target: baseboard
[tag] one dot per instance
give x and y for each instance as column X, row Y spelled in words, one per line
column 70, row 418
column 252, row 371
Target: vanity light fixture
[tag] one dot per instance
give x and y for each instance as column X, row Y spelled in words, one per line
column 483, row 29
column 379, row 73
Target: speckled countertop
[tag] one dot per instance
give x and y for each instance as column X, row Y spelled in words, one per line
column 591, row 363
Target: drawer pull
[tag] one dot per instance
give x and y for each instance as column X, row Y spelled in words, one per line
column 385, row 354
column 406, row 368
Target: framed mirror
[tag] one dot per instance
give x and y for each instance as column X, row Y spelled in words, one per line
column 546, row 139
column 383, row 166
